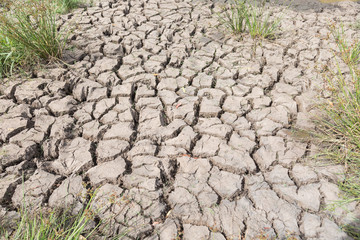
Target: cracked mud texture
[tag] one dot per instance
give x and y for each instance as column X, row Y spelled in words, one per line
column 185, row 130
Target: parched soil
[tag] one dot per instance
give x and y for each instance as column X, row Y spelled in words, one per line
column 186, row 130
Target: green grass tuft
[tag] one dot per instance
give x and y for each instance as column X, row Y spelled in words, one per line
column 258, row 21
column 338, row 129
column 29, row 32
column 11, row 56
column 32, row 24
column 64, row 6
column 250, row 16
column 41, row 224
column 69, row 222
column 234, row 17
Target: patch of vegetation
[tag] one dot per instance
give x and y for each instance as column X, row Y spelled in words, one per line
column 64, row 6
column 253, row 17
column 338, row 130
column 234, row 17
column 11, row 56
column 350, row 53
column 70, row 223
column 50, row 224
column 29, row 32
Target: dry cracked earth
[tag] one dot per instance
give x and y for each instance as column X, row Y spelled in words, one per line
column 185, row 130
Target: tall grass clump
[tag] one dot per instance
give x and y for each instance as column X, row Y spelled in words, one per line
column 32, row 23
column 338, row 130
column 250, row 16
column 11, row 56
column 55, row 224
column 28, row 33
column 234, row 17
column 259, row 23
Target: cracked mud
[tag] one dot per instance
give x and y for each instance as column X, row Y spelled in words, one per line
column 187, row 127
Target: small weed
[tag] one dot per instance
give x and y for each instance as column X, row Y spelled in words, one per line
column 234, row 18
column 258, row 21
column 249, row 16
column 263, row 236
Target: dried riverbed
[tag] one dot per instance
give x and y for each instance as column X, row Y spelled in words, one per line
column 190, row 125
